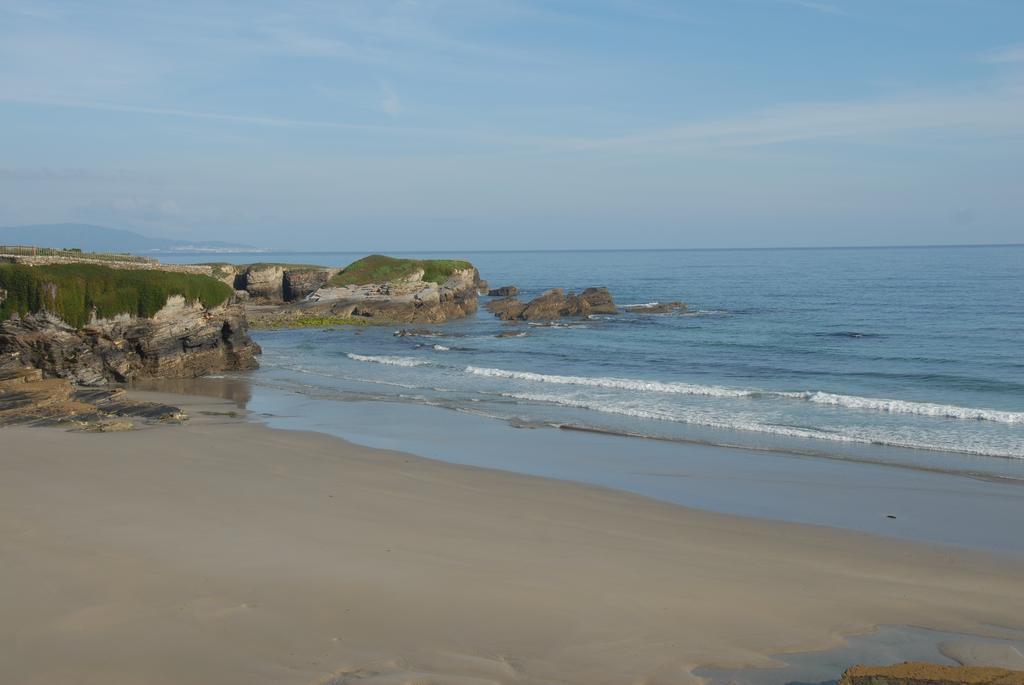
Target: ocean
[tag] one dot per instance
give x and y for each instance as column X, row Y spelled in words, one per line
column 906, row 347
column 819, row 368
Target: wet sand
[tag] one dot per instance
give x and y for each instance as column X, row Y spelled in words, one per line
column 225, row 551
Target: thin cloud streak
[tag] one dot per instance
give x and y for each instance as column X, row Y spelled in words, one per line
column 816, row 121
column 822, row 7
column 1007, row 55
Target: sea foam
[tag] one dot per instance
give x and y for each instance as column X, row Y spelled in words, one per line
column 614, row 383
column 946, row 411
column 387, row 360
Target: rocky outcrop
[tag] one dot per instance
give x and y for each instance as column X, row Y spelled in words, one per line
column 262, row 282
column 274, row 283
column 300, row 283
column 503, row 291
column 410, row 300
column 182, row 340
column 656, row 308
column 930, row 674
column 555, row 304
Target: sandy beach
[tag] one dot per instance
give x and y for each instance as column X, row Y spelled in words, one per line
column 223, row 551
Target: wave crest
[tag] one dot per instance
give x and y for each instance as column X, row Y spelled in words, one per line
column 387, row 360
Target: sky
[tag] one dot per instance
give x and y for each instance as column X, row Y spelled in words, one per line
column 517, row 124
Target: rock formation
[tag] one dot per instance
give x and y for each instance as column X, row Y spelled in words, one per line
column 503, row 291
column 409, row 300
column 930, row 674
column 555, row 304
column 183, row 339
column 275, row 283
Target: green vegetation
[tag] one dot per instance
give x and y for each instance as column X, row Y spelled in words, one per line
column 73, row 291
column 273, row 323
column 221, row 270
column 380, row 269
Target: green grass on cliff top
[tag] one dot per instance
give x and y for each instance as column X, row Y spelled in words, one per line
column 73, row 291
column 380, row 269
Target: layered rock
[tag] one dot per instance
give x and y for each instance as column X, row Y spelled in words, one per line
column 555, row 304
column 182, row 340
column 298, row 284
column 409, row 300
column 262, row 281
column 275, row 283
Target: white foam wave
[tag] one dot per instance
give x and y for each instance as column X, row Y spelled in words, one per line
column 946, row 411
column 614, row 383
column 745, row 423
column 891, row 406
column 387, row 360
column 441, row 348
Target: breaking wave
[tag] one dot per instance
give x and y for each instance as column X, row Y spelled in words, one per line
column 388, row 360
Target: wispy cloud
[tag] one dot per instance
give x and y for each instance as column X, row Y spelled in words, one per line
column 1006, row 55
column 982, row 113
column 389, row 102
column 823, row 7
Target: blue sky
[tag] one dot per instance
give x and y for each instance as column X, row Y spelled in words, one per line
column 493, row 124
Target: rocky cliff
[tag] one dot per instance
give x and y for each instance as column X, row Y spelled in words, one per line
column 183, row 339
column 375, row 289
column 275, row 283
column 409, row 300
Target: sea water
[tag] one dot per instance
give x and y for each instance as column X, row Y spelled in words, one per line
column 814, row 350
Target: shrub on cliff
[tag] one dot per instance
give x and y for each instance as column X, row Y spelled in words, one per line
column 381, row 269
column 73, row 291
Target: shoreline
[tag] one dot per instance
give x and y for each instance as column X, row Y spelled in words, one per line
column 454, row 573
column 931, row 505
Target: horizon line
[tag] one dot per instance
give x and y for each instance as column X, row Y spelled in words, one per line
column 901, row 246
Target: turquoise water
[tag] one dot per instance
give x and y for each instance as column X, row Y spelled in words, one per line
column 818, row 351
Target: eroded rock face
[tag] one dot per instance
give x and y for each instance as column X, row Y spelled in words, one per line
column 408, row 301
column 182, row 340
column 555, row 304
column 298, row 284
column 277, row 283
column 262, row 282
column 503, row 291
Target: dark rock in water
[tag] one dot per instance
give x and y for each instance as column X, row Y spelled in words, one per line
column 555, row 304
column 503, row 291
column 417, row 333
column 512, row 334
column 182, row 340
column 656, row 308
column 911, row 673
column 507, row 309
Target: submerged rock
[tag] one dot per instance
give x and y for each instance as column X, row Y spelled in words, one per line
column 555, row 304
column 656, row 308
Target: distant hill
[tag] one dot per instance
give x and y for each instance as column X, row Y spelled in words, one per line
column 102, row 239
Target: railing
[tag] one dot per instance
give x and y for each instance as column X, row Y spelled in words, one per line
column 30, row 251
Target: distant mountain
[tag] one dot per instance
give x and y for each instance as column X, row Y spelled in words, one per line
column 102, row 239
